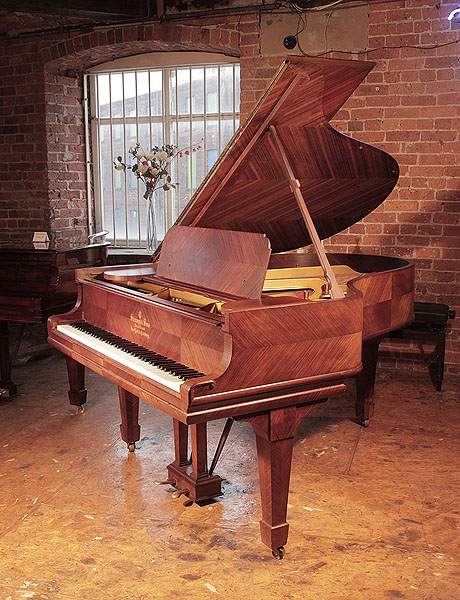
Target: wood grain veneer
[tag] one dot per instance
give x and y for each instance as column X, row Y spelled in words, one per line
column 266, row 360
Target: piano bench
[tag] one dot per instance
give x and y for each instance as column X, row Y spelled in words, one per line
column 430, row 321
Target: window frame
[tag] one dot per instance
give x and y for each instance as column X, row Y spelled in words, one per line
column 167, row 121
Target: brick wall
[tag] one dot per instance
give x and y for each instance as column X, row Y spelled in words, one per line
column 408, row 106
column 22, row 141
column 42, row 116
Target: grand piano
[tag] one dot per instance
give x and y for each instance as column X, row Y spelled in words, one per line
column 225, row 322
column 36, row 281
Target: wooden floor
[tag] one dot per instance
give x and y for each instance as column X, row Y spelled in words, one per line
column 374, row 512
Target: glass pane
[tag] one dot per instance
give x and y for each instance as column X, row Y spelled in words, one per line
column 103, row 90
column 105, row 162
column 131, row 136
column 117, row 131
column 156, row 93
column 226, row 132
column 130, row 94
column 157, row 133
column 226, row 89
column 199, row 163
column 197, row 90
column 172, row 91
column 143, row 136
column 116, row 94
column 182, row 165
column 212, row 135
column 211, row 157
column 183, row 91
column 133, row 226
column 212, row 104
column 237, row 88
column 143, row 93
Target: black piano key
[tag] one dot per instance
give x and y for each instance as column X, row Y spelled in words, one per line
column 140, row 352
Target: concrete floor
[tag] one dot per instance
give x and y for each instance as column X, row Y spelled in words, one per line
column 374, row 512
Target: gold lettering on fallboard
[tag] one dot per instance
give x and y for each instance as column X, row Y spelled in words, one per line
column 139, row 324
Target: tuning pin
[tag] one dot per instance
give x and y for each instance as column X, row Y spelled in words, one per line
column 178, row 493
column 166, row 482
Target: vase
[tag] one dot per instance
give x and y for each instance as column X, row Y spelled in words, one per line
column 152, row 241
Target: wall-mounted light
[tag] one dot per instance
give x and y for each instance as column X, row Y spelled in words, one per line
column 454, row 18
column 290, row 42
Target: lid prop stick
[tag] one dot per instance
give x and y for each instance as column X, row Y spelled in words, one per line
column 335, row 290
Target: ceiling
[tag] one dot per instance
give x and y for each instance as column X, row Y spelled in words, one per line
column 46, row 15
column 58, row 14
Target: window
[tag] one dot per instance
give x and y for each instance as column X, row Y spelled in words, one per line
column 188, row 104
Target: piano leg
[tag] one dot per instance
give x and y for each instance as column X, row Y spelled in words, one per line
column 7, row 388
column 181, row 443
column 77, row 391
column 193, row 478
column 275, row 439
column 365, row 382
column 130, row 429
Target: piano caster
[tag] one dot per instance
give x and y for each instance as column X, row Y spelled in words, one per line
column 178, row 493
column 364, row 422
column 131, row 446
column 80, row 410
column 166, row 482
column 279, row 553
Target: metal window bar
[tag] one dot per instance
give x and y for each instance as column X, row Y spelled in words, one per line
column 111, row 171
column 176, row 141
column 205, row 124
column 219, row 134
column 234, row 96
column 190, row 129
column 123, row 113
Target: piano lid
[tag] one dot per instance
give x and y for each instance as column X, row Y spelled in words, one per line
column 341, row 179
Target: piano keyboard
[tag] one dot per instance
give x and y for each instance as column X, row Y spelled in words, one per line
column 150, row 364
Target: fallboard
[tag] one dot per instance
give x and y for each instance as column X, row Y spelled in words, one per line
column 197, row 343
column 228, row 262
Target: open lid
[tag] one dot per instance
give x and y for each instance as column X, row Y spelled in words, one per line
column 341, row 179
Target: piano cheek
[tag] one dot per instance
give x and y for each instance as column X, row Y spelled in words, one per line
column 285, row 343
column 196, row 387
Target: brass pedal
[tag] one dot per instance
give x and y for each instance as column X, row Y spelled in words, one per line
column 165, row 482
column 178, row 493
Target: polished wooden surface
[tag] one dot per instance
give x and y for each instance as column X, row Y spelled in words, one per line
column 386, row 283
column 265, row 358
column 34, row 284
column 342, row 179
column 225, row 261
column 278, row 356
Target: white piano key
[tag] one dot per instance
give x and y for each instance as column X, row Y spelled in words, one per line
column 123, row 358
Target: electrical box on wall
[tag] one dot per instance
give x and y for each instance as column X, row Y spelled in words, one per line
column 345, row 29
